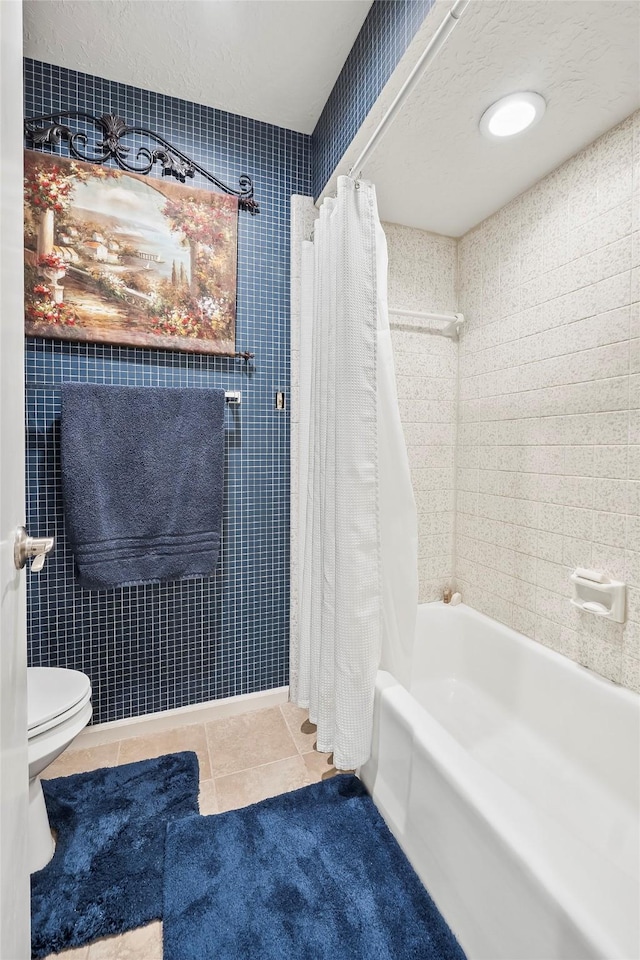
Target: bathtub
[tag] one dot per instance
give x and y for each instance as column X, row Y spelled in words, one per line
column 510, row 777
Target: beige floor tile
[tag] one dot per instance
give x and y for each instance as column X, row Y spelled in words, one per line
column 145, row 943
column 208, row 799
column 250, row 786
column 191, row 737
column 77, row 761
column 319, row 765
column 80, row 953
column 238, row 743
column 304, row 732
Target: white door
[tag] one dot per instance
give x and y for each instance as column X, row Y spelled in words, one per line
column 14, row 874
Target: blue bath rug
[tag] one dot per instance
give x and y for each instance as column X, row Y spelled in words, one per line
column 106, row 874
column 309, row 874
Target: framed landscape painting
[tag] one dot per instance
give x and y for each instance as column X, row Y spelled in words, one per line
column 127, row 259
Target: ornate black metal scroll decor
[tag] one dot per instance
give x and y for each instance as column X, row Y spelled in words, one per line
column 50, row 130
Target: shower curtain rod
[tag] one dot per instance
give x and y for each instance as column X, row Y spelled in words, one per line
column 454, row 321
column 433, row 48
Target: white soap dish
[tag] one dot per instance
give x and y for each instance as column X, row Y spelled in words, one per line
column 602, row 597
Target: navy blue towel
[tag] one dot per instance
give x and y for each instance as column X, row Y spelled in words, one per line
column 142, row 482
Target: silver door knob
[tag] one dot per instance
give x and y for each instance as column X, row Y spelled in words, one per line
column 25, row 547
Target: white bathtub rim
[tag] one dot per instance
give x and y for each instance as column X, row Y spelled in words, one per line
column 627, row 695
column 507, row 813
column 612, row 763
column 591, row 887
column 503, row 810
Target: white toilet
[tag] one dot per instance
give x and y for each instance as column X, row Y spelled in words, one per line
column 58, row 708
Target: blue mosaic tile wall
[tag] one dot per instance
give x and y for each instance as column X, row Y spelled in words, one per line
column 167, row 645
column 385, row 35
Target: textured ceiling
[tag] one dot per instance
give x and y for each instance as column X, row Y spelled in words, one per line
column 273, row 60
column 435, row 171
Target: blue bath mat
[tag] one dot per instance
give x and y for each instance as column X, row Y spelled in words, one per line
column 309, row 874
column 106, row 874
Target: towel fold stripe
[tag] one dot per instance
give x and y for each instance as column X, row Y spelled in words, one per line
column 169, row 538
column 86, row 557
column 145, row 545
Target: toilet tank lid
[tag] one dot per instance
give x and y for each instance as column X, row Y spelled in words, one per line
column 51, row 691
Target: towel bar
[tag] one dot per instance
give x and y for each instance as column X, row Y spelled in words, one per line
column 230, row 396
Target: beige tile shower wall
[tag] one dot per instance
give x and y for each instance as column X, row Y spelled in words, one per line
column 422, row 276
column 549, row 431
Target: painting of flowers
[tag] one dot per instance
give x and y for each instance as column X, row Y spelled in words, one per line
column 127, row 259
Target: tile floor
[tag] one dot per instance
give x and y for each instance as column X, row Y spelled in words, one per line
column 242, row 760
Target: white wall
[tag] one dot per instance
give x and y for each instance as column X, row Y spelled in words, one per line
column 422, row 276
column 549, row 419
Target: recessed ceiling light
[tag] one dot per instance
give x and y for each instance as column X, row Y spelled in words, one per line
column 512, row 115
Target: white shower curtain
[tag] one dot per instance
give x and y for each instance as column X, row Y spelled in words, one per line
column 357, row 520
